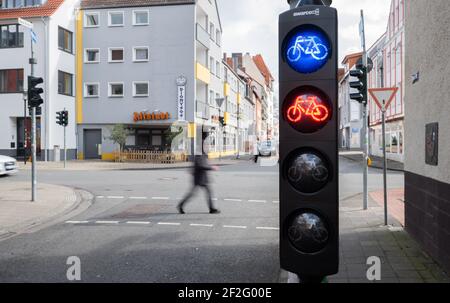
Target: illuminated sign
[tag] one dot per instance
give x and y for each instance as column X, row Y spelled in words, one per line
column 307, row 49
column 144, row 116
column 307, row 109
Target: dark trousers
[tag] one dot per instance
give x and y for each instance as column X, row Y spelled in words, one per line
column 191, row 193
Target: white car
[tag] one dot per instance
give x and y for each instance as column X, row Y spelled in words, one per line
column 8, row 165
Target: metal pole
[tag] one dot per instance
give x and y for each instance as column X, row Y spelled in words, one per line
column 365, row 122
column 24, row 128
column 384, row 165
column 65, row 152
column 33, row 135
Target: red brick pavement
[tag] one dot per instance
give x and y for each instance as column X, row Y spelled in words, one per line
column 396, row 204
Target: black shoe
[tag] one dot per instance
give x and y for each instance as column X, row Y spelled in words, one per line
column 180, row 209
column 214, row 211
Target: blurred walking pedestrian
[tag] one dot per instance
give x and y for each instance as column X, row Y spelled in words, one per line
column 256, row 150
column 200, row 172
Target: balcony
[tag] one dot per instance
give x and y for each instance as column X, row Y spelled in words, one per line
column 202, row 73
column 202, row 36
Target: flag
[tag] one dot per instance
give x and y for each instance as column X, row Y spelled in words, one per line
column 33, row 36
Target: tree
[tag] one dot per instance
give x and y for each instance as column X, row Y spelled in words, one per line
column 119, row 135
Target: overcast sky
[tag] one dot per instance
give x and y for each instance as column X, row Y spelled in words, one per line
column 252, row 25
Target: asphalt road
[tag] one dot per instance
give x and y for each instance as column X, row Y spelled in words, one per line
column 133, row 233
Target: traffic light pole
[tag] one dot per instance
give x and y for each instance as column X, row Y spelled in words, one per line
column 33, row 135
column 65, row 150
column 365, row 123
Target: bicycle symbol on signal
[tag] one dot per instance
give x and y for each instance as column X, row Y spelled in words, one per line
column 308, row 107
column 309, row 46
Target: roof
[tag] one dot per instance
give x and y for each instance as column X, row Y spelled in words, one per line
column 351, row 56
column 261, row 64
column 88, row 4
column 45, row 10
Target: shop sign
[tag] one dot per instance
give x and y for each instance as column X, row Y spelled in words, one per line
column 144, row 116
column 181, row 98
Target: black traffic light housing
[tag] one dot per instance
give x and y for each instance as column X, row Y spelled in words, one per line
column 222, row 121
column 62, row 118
column 34, row 92
column 309, row 168
column 360, row 85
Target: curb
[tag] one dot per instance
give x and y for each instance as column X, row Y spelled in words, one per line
column 83, row 201
column 373, row 166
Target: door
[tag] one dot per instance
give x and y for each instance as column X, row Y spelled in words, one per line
column 92, row 143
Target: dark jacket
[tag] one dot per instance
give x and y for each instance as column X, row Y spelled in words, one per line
column 201, row 168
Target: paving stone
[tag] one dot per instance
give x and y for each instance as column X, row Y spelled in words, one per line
column 407, row 274
column 407, row 280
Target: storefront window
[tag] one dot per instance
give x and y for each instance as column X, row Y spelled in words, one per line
column 394, row 143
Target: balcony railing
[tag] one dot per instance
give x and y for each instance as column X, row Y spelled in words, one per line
column 202, row 110
column 202, row 36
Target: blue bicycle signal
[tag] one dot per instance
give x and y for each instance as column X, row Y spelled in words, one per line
column 307, row 50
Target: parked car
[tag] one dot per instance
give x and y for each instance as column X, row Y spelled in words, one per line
column 267, row 148
column 8, row 165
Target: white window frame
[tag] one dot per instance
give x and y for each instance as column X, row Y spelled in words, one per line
column 141, row 47
column 141, row 11
column 141, row 82
column 110, row 84
column 85, row 19
column 116, row 12
column 86, row 56
column 91, row 83
column 110, row 49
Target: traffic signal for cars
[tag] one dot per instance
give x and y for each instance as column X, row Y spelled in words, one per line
column 360, row 84
column 309, row 191
column 62, row 118
column 34, row 92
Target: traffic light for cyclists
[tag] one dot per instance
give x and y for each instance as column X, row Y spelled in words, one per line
column 360, row 84
column 309, row 197
column 34, row 92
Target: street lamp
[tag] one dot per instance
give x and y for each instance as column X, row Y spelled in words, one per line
column 25, row 96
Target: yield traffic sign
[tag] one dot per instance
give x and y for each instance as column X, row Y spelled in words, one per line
column 383, row 96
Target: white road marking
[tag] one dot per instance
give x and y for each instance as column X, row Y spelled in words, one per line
column 257, row 201
column 276, row 202
column 115, row 197
column 138, row 222
column 160, row 198
column 232, row 226
column 268, row 228
column 167, row 223
column 202, row 225
column 233, row 200
column 100, row 197
column 107, row 222
column 138, row 198
column 77, row 222
column 215, row 199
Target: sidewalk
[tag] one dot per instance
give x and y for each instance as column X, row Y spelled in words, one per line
column 377, row 162
column 362, row 235
column 88, row 165
column 19, row 215
column 396, row 203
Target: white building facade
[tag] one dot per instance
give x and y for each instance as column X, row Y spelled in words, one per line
column 54, row 50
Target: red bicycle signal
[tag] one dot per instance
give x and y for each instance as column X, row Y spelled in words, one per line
column 309, row 106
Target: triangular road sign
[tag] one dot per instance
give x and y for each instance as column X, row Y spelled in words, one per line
column 383, row 95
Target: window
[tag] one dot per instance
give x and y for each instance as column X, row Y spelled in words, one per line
column 91, row 19
column 65, row 83
column 11, row 36
column 140, row 54
column 92, row 55
column 140, row 17
column 116, row 54
column 20, row 3
column 65, row 40
column 91, row 90
column 116, row 90
column 218, row 37
column 116, row 18
column 11, row 81
column 140, row 89
column 212, row 31
column 217, row 69
column 211, row 64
